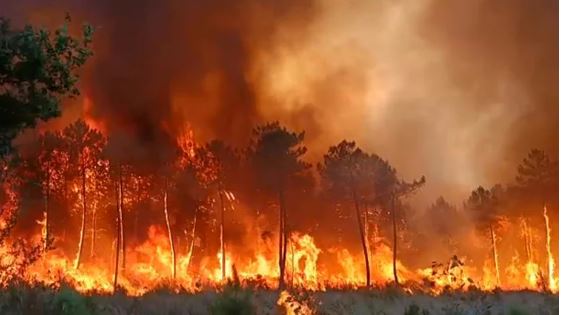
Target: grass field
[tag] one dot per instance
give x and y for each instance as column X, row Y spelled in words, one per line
column 38, row 300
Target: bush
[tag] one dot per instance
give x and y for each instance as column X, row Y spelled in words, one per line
column 233, row 301
column 70, row 302
column 517, row 311
column 414, row 309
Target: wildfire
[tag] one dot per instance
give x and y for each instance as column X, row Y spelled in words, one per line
column 150, row 266
column 552, row 281
column 192, row 248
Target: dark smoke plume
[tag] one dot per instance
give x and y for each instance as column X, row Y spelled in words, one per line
column 458, row 91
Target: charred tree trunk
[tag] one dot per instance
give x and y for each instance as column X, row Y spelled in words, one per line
column 394, row 260
column 66, row 204
column 531, row 244
column 118, row 236
column 526, row 233
column 285, row 238
column 495, row 255
column 367, row 232
column 83, row 226
column 282, row 239
column 552, row 283
column 93, row 230
column 135, row 235
column 362, row 238
column 222, row 245
column 168, row 225
column 192, row 243
column 46, row 215
column 121, row 223
column 293, row 264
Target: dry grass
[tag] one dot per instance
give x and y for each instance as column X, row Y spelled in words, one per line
column 23, row 299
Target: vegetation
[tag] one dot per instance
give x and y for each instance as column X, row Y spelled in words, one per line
column 38, row 69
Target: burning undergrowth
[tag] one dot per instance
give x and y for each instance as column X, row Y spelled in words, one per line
column 77, row 211
column 131, row 200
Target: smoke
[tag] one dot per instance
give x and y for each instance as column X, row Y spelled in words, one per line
column 455, row 91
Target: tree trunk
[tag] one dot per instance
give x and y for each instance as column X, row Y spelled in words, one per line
column 121, row 223
column 93, row 230
column 46, row 215
column 362, row 238
column 293, row 263
column 83, row 227
column 495, row 255
column 282, row 240
column 171, row 245
column 394, row 223
column 550, row 260
column 222, row 245
column 286, row 237
column 118, row 237
column 367, row 232
column 192, row 243
column 526, row 233
column 66, row 205
column 135, row 235
column 531, row 243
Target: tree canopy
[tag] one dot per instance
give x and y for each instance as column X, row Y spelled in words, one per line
column 38, row 68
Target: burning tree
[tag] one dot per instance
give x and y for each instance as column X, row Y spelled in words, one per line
column 348, row 172
column 344, row 175
column 52, row 160
column 444, row 219
column 484, row 206
column 275, row 154
column 191, row 197
column 84, row 146
column 224, row 163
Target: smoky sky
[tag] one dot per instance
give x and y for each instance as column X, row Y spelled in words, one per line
column 458, row 91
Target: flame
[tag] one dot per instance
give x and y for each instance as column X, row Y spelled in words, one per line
column 552, row 281
column 292, row 305
column 151, row 263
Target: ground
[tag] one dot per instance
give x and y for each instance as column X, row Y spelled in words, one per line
column 38, row 300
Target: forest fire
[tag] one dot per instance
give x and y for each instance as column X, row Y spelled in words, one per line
column 265, row 157
column 192, row 249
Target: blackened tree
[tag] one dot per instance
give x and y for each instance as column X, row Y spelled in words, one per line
column 275, row 154
column 483, row 204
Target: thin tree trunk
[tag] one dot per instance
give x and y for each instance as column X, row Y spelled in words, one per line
column 46, row 215
column 172, row 247
column 93, row 230
column 121, row 223
column 66, row 204
column 362, row 238
column 293, row 264
column 394, row 223
column 118, row 237
column 135, row 235
column 222, row 245
column 367, row 232
column 526, row 232
column 192, row 243
column 282, row 240
column 286, row 232
column 550, row 261
column 83, row 227
column 531, row 243
column 495, row 255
